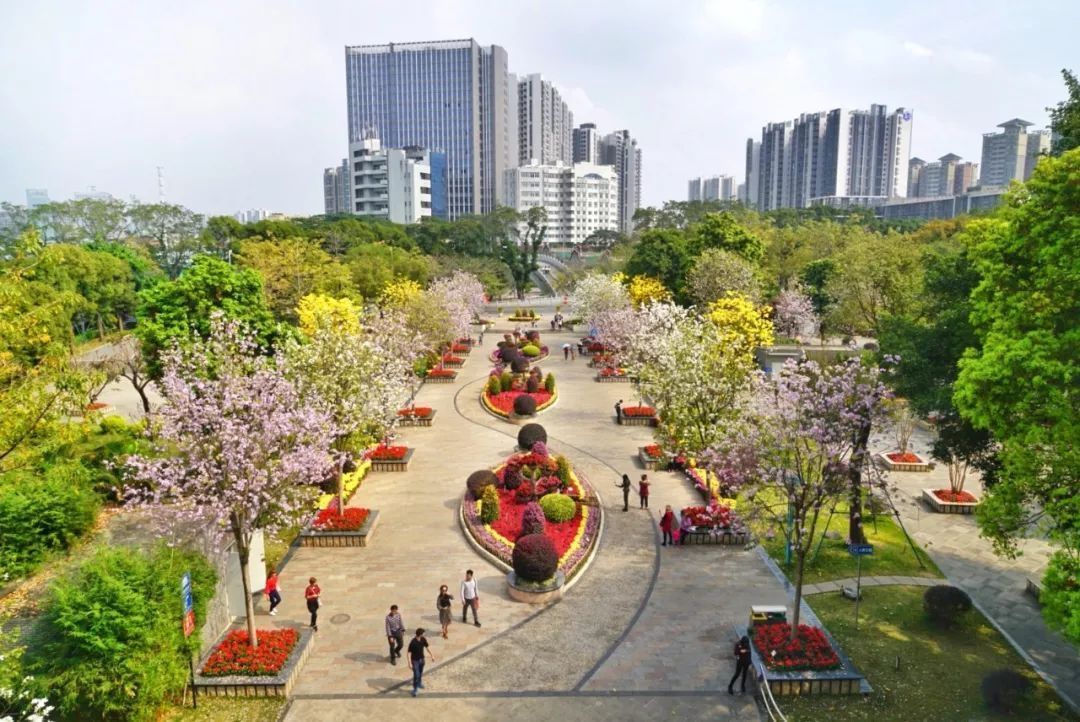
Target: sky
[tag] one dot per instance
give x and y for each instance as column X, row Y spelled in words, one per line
column 242, row 102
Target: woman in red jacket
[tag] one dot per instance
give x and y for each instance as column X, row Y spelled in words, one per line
column 667, row 521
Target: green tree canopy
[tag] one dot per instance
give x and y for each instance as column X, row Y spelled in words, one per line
column 293, row 268
column 373, row 265
column 724, row 231
column 1065, row 117
column 664, row 254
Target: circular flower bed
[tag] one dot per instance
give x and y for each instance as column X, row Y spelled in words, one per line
column 955, row 497
column 329, row 520
column 235, row 656
column 521, row 480
column 809, row 650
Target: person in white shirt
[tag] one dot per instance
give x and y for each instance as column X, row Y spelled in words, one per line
column 470, row 597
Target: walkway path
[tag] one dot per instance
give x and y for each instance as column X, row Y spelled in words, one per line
column 646, row 632
column 995, row 584
column 837, row 584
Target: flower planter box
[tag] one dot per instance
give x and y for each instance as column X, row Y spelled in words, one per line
column 948, row 507
column 417, row 420
column 401, row 464
column 723, row 537
column 891, row 465
column 638, row 421
column 440, row 379
column 313, row 538
column 647, row 461
column 453, row 364
column 279, row 685
column 612, row 379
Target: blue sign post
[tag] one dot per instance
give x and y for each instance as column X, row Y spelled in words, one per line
column 859, row 551
column 189, row 626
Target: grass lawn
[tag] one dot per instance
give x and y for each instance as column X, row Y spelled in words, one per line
column 276, row 545
column 892, row 556
column 222, row 709
column 940, row 670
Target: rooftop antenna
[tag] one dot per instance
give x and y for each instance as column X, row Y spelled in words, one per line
column 161, row 184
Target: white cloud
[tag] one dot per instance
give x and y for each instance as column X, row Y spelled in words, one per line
column 919, row 51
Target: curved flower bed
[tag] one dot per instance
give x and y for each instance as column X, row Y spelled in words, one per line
column 502, row 404
column 235, row 656
column 809, row 650
column 544, row 351
column 574, row 539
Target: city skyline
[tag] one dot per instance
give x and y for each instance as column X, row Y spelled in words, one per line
column 185, row 91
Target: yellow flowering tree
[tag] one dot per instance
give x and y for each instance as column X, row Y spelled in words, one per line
column 646, row 289
column 400, row 293
column 317, row 312
column 741, row 326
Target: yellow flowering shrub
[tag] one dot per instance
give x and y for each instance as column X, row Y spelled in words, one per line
column 646, row 289
column 400, row 293
column 319, row 312
column 741, row 326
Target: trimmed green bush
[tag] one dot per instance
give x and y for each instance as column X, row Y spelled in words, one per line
column 489, row 505
column 1004, row 689
column 112, row 647
column 494, row 386
column 479, row 481
column 944, row 605
column 531, row 351
column 114, row 425
column 563, row 470
column 534, row 558
column 549, row 383
column 1060, row 595
column 40, row 515
column 558, row 507
column 506, row 381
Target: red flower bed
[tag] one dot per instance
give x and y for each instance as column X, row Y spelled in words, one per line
column 460, row 348
column 416, row 412
column 508, row 525
column 712, row 516
column 653, row 451
column 608, row 371
column 96, row 406
column 451, row 359
column 442, row 373
column 329, row 520
column 905, row 458
column 235, row 656
column 504, row 401
column 596, row 348
column 959, row 497
column 809, row 650
column 638, row 411
column 383, row 452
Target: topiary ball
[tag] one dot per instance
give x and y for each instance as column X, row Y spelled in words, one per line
column 524, row 405
column 558, row 507
column 532, row 520
column 512, row 479
column 1003, row 689
column 944, row 604
column 532, row 385
column 480, row 480
column 534, row 558
column 531, row 351
column 519, row 365
column 530, row 434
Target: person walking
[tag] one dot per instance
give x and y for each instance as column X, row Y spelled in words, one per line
column 643, row 491
column 667, row 521
column 572, row 357
column 625, row 486
column 685, row 524
column 417, row 647
column 742, row 664
column 312, row 596
column 470, row 598
column 272, row 592
column 618, row 411
column 395, row 633
column 443, row 604
column 566, row 352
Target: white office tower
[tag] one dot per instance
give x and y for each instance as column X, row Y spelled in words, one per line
column 545, row 123
column 580, row 199
column 390, row 183
column 1011, row 154
column 620, row 150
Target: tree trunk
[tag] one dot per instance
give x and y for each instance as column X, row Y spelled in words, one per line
column 141, row 390
column 800, row 563
column 100, row 326
column 858, row 459
column 243, row 550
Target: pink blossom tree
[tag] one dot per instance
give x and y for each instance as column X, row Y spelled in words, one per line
column 795, row 313
column 462, row 295
column 235, row 449
column 793, row 451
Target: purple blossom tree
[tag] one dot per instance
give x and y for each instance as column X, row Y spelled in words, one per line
column 235, row 450
column 795, row 313
column 462, row 295
column 793, row 452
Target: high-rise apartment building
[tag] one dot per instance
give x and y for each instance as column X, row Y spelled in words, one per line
column 714, row 188
column 336, row 189
column 620, row 150
column 451, row 96
column 829, row 154
column 402, row 185
column 586, row 144
column 945, row 177
column 545, row 123
column 36, row 197
column 254, row 215
column 1011, row 154
column 580, row 199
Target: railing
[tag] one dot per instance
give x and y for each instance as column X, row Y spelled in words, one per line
column 767, row 697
